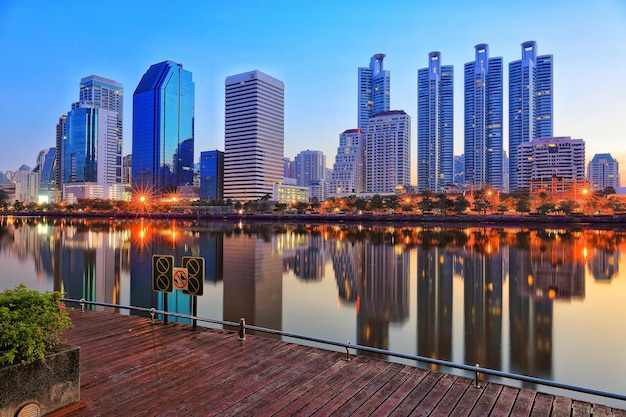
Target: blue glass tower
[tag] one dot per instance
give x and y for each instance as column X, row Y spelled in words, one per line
column 47, row 180
column 163, row 129
column 483, row 120
column 435, row 125
column 80, row 146
column 374, row 90
column 212, row 175
column 530, row 103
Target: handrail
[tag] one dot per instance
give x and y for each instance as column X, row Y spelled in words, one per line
column 477, row 369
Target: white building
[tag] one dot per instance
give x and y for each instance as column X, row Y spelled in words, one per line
column 543, row 160
column 310, row 166
column 348, row 174
column 388, row 152
column 253, row 136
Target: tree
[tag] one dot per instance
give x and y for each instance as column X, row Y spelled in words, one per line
column 461, row 205
column 523, row 205
column 568, row 206
column 546, row 208
column 376, row 203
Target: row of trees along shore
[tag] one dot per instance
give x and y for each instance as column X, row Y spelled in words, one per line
column 481, row 201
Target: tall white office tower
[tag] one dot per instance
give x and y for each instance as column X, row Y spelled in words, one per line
column 483, row 120
column 310, row 167
column 254, row 135
column 435, row 125
column 374, row 90
column 530, row 103
column 388, row 152
column 348, row 169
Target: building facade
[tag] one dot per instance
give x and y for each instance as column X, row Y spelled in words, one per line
column 435, row 125
column 530, row 103
column 388, row 152
column 348, row 170
column 374, row 90
column 254, row 135
column 551, row 164
column 603, row 172
column 163, row 129
column 212, row 175
column 46, row 167
column 483, row 142
column 310, row 166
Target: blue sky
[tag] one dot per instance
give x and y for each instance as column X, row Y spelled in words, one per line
column 315, row 48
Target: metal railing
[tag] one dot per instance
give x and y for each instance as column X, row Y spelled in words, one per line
column 242, row 327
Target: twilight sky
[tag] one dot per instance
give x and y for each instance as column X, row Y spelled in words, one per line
column 315, row 48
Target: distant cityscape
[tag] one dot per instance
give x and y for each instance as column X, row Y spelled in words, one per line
column 86, row 161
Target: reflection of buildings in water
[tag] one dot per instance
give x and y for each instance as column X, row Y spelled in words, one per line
column 348, row 268
column 603, row 264
column 530, row 319
column 384, row 293
column 252, row 281
column 434, row 309
column 557, row 266
column 211, row 248
column 308, row 262
column 482, row 283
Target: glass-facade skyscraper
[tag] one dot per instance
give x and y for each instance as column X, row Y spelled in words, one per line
column 530, row 103
column 212, row 175
column 163, row 129
column 435, row 125
column 254, row 135
column 483, row 120
column 374, row 90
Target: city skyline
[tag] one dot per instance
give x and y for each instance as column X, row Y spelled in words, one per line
column 319, row 98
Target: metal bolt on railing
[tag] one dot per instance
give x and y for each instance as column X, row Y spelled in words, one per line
column 348, row 351
column 82, row 305
column 242, row 329
column 477, row 372
column 152, row 312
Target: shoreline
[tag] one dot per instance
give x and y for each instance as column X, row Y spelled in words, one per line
column 617, row 221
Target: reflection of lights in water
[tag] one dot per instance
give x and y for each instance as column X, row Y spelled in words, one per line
column 530, row 280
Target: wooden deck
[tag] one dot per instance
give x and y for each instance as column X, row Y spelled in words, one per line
column 130, row 367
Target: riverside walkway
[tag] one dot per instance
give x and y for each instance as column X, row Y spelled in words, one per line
column 131, row 367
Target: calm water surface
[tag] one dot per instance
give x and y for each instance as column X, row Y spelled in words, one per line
column 545, row 303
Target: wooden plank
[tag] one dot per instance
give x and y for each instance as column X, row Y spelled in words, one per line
column 452, row 397
column 505, row 402
column 542, row 405
column 400, row 393
column 436, row 394
column 418, row 393
column 376, row 401
column 601, row 411
column 468, row 400
column 524, row 402
column 561, row 407
column 487, row 400
column 580, row 409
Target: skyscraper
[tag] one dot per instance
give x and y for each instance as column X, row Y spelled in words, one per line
column 58, row 162
column 388, row 152
column 374, row 90
column 212, row 175
column 483, row 120
column 163, row 129
column 530, row 103
column 254, row 135
column 348, row 169
column 310, row 166
column 435, row 125
column 603, row 172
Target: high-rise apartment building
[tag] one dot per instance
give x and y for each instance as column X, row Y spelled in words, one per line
column 435, row 125
column 58, row 162
column 388, row 152
column 163, row 129
column 310, row 167
column 348, row 170
column 603, row 172
column 530, row 103
column 374, row 90
column 212, row 175
column 483, row 120
column 546, row 163
column 254, row 135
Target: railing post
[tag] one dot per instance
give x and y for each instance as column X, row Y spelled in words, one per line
column 476, row 384
column 82, row 305
column 348, row 351
column 242, row 329
column 152, row 310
